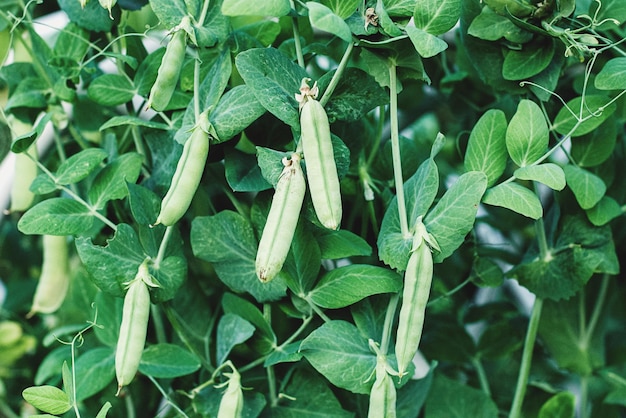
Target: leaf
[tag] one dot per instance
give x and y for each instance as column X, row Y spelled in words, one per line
column 486, row 273
column 284, row 354
column 95, row 370
column 516, row 198
column 274, row 79
column 341, row 244
column 235, row 111
column 604, row 211
column 102, row 413
column 612, row 75
column 527, row 134
column 585, row 116
column 111, row 90
column 56, row 216
column 324, row 19
column 271, row 165
column 215, row 82
column 339, row 352
column 425, row 44
column 231, row 330
column 437, row 16
column 453, row 216
column 450, row 398
column 528, row 61
column 92, row 17
column 246, row 310
column 586, row 186
column 346, row 285
column 342, row 8
column 275, row 8
column 242, row 172
column 167, row 361
column 128, row 120
column 144, row 204
column 486, row 149
column 561, row 405
column 169, row 12
column 304, row 259
column 597, row 146
column 490, row 26
column 109, row 310
column 79, row 166
column 110, row 183
column 48, row 399
column 549, row 174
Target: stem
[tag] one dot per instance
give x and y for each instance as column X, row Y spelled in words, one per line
column 166, row 397
column 387, row 327
column 527, row 355
column 584, row 395
column 296, row 36
column 6, row 411
column 163, row 247
column 482, row 376
column 196, row 88
column 337, row 75
column 317, row 310
column 157, row 320
column 271, row 381
column 395, row 151
column 597, row 311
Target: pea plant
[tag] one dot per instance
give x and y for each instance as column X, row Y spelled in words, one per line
column 338, row 208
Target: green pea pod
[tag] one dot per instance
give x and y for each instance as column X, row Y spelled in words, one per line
column 231, row 404
column 187, row 175
column 417, row 281
column 133, row 330
column 281, row 221
column 169, row 71
column 321, row 169
column 25, row 169
column 383, row 393
column 54, row 280
column 108, row 5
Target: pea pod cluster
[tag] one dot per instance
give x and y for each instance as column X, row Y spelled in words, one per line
column 133, row 329
column 281, row 221
column 54, row 280
column 417, row 281
column 187, row 175
column 320, row 163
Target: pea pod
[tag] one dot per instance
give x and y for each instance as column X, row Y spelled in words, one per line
column 383, row 392
column 321, row 169
column 25, row 169
column 417, row 281
column 187, row 175
column 54, row 280
column 281, row 221
column 169, row 71
column 133, row 329
column 231, row 404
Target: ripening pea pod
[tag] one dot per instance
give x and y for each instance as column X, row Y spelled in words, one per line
column 133, row 329
column 54, row 280
column 417, row 281
column 25, row 169
column 169, row 71
column 231, row 404
column 281, row 221
column 383, row 392
column 108, row 5
column 187, row 175
column 321, row 169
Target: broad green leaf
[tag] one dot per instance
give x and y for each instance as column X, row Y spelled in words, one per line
column 111, row 90
column 242, row 172
column 109, row 310
column 323, row 18
column 339, row 352
column 304, row 259
column 341, row 244
column 166, row 361
column 403, row 8
column 612, row 76
column 597, row 146
column 231, row 330
column 275, row 8
column 170, row 275
column 386, row 24
column 215, row 82
column 128, row 120
column 528, row 61
column 73, row 42
column 587, row 187
column 110, row 183
column 486, row 273
column 235, row 111
column 287, row 354
column 453, row 216
column 585, row 115
column 169, row 12
column 92, row 17
column 274, row 79
column 451, row 398
column 346, row 285
column 30, row 93
column 102, row 413
column 48, row 399
column 486, row 149
column 68, row 381
column 425, row 44
column 23, row 142
column 447, row 340
column 369, row 315
column 49, row 368
column 56, row 216
column 79, row 166
column 227, row 240
column 43, row 184
column 490, row 26
column 246, row 310
column 437, row 16
column 548, row 173
column 604, row 211
column 264, row 31
column 270, row 162
column 95, row 370
column 561, row 405
column 144, row 204
column 342, row 8
column 516, row 198
column 527, row 134
column 410, row 398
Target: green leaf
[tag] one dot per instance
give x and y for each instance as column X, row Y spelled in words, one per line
column 92, row 17
column 549, row 174
column 231, row 330
column 516, row 198
column 79, row 166
column 274, row 79
column 341, row 244
column 270, row 162
column 342, row 8
column 597, row 146
column 235, row 111
column 227, row 240
column 242, row 172
column 346, row 285
column 144, row 204
column 587, row 187
column 385, row 22
column 170, row 12
column 527, row 134
column 128, row 120
column 490, row 26
column 324, row 19
column 400, row 7
column 528, row 61
column 68, row 382
column 437, row 16
column 287, row 354
column 425, row 44
column 304, row 259
column 486, row 273
column 111, row 90
column 48, row 399
column 612, row 76
column 56, row 216
column 23, row 142
column 275, row 8
column 110, row 183
column 102, row 413
column 369, row 315
column 109, row 310
column 246, row 310
column 591, row 113
column 95, row 370
column 453, row 216
column 336, row 348
column 451, row 398
column 486, row 149
column 561, row 405
column 167, row 361
column 604, row 211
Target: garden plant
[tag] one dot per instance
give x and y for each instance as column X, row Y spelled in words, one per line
column 332, row 208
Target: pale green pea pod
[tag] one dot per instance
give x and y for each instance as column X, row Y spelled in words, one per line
column 417, row 281
column 108, row 5
column 320, row 163
column 25, row 169
column 281, row 221
column 231, row 404
column 169, row 71
column 187, row 175
column 54, row 280
column 383, row 392
column 134, row 327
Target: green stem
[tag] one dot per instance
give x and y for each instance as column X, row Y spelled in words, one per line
column 157, row 320
column 388, row 325
column 317, row 310
column 271, row 382
column 196, row 88
column 584, row 396
column 162, row 247
column 167, row 398
column 337, row 75
column 482, row 376
column 6, row 411
column 296, row 36
column 597, row 311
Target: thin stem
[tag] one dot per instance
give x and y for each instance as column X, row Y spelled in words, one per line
column 296, row 37
column 271, row 382
column 166, row 397
column 451, row 292
column 196, row 87
column 157, row 320
column 482, row 376
column 584, row 396
column 317, row 310
column 387, row 327
column 162, row 247
column 337, row 75
column 597, row 310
